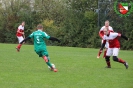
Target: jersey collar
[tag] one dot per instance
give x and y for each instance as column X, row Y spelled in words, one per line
column 39, row 30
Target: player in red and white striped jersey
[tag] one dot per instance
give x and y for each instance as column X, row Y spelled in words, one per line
column 20, row 32
column 101, row 34
column 114, row 46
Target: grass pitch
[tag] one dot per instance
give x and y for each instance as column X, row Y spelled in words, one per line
column 77, row 68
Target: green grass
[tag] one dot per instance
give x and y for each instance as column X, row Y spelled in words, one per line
column 77, row 68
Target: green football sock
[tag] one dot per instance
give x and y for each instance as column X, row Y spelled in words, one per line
column 49, row 64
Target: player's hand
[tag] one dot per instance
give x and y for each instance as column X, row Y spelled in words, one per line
column 18, row 47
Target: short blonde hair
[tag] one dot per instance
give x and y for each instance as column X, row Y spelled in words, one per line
column 107, row 21
column 39, row 26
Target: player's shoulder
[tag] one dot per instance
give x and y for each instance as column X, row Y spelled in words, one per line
column 45, row 34
column 110, row 27
column 20, row 26
column 102, row 27
column 35, row 32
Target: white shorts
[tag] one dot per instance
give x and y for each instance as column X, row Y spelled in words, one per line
column 112, row 51
column 20, row 39
column 106, row 45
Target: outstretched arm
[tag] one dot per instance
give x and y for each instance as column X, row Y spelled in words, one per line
column 54, row 39
column 25, row 40
column 124, row 37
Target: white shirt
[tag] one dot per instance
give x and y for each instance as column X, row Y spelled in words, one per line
column 110, row 28
column 21, row 27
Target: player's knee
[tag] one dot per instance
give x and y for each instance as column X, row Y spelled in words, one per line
column 107, row 58
column 115, row 58
column 45, row 59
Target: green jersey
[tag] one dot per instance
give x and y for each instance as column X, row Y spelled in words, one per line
column 39, row 43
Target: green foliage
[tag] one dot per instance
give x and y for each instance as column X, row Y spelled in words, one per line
column 79, row 26
column 11, row 17
column 74, row 22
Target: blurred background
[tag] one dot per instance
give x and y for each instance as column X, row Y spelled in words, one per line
column 75, row 22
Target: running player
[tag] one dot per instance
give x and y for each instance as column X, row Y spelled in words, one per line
column 101, row 34
column 20, row 32
column 114, row 47
column 39, row 44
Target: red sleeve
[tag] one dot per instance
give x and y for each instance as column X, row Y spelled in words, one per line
column 101, row 34
column 20, row 30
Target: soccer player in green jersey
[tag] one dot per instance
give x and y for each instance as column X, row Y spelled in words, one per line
column 39, row 44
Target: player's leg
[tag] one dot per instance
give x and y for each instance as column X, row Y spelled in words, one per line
column 20, row 39
column 115, row 58
column 45, row 57
column 105, row 51
column 99, row 53
column 107, row 57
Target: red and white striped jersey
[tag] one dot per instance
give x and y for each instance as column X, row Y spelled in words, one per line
column 101, row 33
column 112, row 39
column 20, row 29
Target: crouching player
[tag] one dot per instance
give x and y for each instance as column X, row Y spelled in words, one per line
column 114, row 47
column 39, row 44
